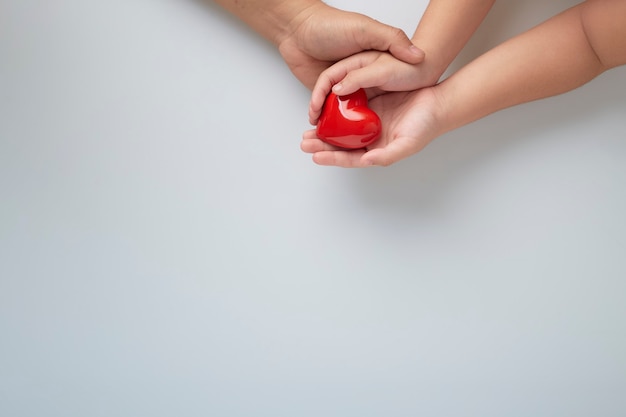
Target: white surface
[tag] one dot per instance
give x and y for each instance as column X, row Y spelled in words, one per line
column 167, row 250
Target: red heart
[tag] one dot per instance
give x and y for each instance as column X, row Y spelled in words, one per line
column 347, row 122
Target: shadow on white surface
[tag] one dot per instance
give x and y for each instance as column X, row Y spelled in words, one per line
column 533, row 128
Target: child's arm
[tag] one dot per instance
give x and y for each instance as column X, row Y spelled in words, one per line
column 559, row 55
column 444, row 29
column 311, row 35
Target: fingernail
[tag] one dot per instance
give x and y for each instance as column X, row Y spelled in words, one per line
column 337, row 87
column 415, row 50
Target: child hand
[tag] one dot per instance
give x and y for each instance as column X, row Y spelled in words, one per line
column 377, row 71
column 411, row 120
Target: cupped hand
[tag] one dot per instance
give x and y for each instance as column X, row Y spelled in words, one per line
column 321, row 35
column 411, row 120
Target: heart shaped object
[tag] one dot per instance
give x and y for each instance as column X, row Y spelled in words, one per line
column 347, row 122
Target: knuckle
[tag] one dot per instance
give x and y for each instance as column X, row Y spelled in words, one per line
column 398, row 34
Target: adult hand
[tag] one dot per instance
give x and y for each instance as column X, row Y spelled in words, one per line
column 320, row 35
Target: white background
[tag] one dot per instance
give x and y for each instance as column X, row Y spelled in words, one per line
column 166, row 249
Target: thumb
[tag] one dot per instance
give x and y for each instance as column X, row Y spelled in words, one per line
column 395, row 151
column 361, row 78
column 383, row 37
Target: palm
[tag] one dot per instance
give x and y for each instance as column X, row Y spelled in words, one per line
column 406, row 116
column 408, row 123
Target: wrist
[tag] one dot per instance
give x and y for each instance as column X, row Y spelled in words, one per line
column 460, row 102
column 442, row 116
column 275, row 20
column 434, row 63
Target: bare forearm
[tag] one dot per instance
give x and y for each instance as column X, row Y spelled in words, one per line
column 557, row 56
column 270, row 18
column 445, row 28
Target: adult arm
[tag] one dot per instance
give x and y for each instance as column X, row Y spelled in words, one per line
column 311, row 35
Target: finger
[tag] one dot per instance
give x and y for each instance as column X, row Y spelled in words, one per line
column 368, row 77
column 388, row 38
column 344, row 159
column 315, row 145
column 310, row 134
column 329, row 155
column 318, row 96
column 325, row 82
column 311, row 143
column 395, row 151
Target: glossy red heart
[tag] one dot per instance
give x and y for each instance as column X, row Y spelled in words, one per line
column 347, row 122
